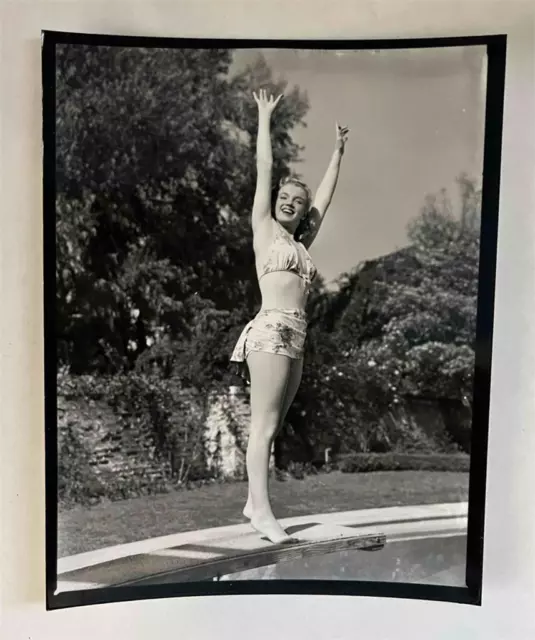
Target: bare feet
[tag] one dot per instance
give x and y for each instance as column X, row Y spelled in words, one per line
column 267, row 526
column 248, row 509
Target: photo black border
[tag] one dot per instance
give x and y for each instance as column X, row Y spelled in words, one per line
column 496, row 45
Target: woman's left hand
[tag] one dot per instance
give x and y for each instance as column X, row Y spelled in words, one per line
column 341, row 137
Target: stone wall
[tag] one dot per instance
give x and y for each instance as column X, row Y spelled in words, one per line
column 114, row 448
column 429, row 424
column 227, row 430
column 123, row 448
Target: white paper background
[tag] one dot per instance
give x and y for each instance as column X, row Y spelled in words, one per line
column 509, row 577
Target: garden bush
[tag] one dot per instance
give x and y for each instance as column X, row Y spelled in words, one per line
column 368, row 462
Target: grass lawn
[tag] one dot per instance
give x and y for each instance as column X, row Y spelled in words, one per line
column 87, row 528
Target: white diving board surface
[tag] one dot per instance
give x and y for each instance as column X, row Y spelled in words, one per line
column 251, row 552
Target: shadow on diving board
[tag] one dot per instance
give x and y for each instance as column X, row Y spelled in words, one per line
column 215, row 569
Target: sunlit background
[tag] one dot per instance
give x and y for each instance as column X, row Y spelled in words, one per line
column 417, row 120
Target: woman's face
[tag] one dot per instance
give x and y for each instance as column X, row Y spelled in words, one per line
column 291, row 206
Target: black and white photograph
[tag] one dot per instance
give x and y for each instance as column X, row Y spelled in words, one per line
column 269, row 311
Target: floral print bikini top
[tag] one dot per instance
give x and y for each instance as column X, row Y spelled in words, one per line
column 286, row 254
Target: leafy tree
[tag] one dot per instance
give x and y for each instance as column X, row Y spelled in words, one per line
column 155, row 176
column 402, row 325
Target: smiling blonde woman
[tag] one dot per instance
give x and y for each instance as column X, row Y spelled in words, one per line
column 272, row 344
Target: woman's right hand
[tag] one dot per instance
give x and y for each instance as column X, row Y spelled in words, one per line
column 266, row 105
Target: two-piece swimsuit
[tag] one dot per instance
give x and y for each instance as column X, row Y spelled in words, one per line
column 279, row 331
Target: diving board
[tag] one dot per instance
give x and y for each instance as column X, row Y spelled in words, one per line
column 218, row 557
column 252, row 552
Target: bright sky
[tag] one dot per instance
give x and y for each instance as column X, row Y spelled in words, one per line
column 416, row 120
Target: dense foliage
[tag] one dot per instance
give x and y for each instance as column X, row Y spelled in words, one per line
column 155, row 177
column 400, row 326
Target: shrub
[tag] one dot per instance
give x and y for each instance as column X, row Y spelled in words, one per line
column 368, row 462
column 300, row 470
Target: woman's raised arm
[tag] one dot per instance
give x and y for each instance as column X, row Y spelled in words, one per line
column 325, row 191
column 264, row 159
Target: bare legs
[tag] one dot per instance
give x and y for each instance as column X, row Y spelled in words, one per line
column 274, row 383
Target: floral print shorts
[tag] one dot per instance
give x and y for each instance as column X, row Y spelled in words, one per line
column 279, row 331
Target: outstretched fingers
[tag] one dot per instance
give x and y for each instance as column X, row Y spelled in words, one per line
column 261, row 98
column 341, row 136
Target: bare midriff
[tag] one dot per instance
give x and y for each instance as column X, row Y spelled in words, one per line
column 283, row 290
